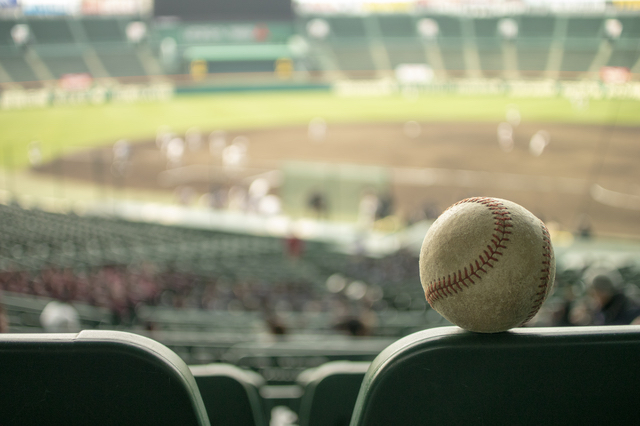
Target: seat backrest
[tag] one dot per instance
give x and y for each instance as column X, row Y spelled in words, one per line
column 97, row 378
column 230, row 394
column 281, row 362
column 444, row 376
column 330, row 393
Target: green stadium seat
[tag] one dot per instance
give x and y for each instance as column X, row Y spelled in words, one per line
column 536, row 27
column 623, row 57
column 65, row 64
column 121, row 61
column 103, row 30
column 51, row 31
column 577, row 60
column 449, row 26
column 405, row 51
column 230, row 394
column 354, row 57
column 347, row 27
column 5, row 32
column 536, row 376
column 453, row 58
column 584, row 27
column 630, row 27
column 486, row 28
column 330, row 393
column 15, row 65
column 397, row 26
column 96, row 378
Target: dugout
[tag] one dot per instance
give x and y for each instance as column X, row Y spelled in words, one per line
column 341, row 185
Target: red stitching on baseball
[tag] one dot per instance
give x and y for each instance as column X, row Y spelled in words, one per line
column 442, row 287
column 545, row 271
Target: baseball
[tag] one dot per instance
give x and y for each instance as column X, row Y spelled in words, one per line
column 487, row 264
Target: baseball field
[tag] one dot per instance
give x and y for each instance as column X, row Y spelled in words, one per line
column 430, row 150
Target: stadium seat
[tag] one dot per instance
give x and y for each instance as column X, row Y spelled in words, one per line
column 330, row 393
column 536, row 376
column 230, row 394
column 97, row 378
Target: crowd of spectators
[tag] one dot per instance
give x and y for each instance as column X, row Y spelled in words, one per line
column 365, row 285
column 122, row 288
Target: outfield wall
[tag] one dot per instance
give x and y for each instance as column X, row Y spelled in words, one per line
column 475, row 87
column 576, row 91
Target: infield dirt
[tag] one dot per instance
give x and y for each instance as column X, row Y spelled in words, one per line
column 445, row 163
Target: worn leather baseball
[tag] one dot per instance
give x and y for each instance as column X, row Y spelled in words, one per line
column 487, row 264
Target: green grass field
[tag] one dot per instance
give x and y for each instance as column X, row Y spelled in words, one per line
column 63, row 129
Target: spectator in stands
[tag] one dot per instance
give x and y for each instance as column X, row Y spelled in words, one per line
column 318, row 204
column 294, row 246
column 60, row 317
column 4, row 321
column 615, row 308
column 584, row 227
column 385, row 206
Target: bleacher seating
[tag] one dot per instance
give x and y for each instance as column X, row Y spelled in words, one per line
column 347, row 27
column 121, row 61
column 623, row 56
column 60, row 45
column 5, row 32
column 397, row 26
column 589, row 28
column 578, row 59
column 50, row 31
column 570, row 376
column 100, row 31
column 95, row 377
column 630, row 27
column 490, row 46
column 544, row 46
column 450, row 27
column 60, row 65
column 16, row 66
column 404, row 51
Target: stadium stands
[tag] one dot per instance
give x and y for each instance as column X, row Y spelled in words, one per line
column 95, row 377
column 58, row 46
column 102, row 31
column 542, row 46
column 531, row 376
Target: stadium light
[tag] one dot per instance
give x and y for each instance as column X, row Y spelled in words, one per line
column 20, row 33
column 508, row 28
column 428, row 28
column 613, row 28
column 318, row 28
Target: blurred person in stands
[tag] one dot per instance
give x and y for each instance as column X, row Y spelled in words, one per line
column 614, row 306
column 318, row 204
column 60, row 317
column 4, row 321
column 294, row 246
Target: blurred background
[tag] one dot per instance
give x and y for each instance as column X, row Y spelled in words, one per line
column 244, row 181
